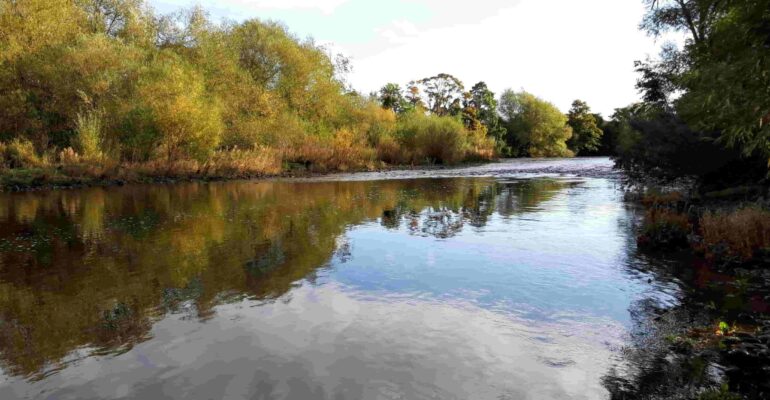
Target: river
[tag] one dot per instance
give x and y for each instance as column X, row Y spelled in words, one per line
column 513, row 280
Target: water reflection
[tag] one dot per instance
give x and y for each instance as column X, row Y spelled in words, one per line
column 449, row 288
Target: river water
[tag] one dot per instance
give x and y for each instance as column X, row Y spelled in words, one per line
column 514, row 280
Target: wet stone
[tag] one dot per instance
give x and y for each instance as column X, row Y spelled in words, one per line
column 731, row 340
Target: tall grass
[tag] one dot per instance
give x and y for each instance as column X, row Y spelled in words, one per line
column 741, row 234
column 726, row 236
column 20, row 153
column 89, row 137
column 343, row 151
column 227, row 163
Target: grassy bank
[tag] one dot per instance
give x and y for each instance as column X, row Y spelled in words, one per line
column 407, row 140
column 229, row 165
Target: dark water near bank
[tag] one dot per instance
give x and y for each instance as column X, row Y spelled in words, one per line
column 512, row 284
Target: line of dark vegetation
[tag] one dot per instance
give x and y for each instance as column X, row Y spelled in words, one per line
column 695, row 157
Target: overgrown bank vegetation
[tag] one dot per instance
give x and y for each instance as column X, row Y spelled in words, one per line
column 109, row 89
column 697, row 139
column 698, row 147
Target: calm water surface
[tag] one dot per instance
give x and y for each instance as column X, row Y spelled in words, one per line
column 513, row 281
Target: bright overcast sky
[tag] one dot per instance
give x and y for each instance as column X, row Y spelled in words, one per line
column 559, row 50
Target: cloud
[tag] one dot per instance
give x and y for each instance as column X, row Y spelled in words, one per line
column 399, row 32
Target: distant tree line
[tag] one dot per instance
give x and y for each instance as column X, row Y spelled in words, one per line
column 520, row 123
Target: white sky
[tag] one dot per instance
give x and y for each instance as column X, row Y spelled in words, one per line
column 559, row 50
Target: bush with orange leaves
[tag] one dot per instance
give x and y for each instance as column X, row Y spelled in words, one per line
column 742, row 235
column 341, row 152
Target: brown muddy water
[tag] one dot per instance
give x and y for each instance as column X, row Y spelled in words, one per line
column 514, row 280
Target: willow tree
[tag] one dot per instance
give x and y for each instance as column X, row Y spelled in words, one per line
column 535, row 125
column 723, row 70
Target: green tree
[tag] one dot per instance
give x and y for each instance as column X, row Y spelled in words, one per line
column 444, row 93
column 111, row 81
column 535, row 125
column 484, row 101
column 391, row 97
column 722, row 72
column 172, row 94
column 586, row 134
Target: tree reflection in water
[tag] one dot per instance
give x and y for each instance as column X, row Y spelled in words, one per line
column 91, row 270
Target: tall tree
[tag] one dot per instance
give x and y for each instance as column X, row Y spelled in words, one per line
column 721, row 73
column 391, row 97
column 586, row 134
column 414, row 97
column 444, row 93
column 696, row 17
column 483, row 100
column 470, row 114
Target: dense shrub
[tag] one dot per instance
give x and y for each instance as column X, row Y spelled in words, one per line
column 19, row 153
column 440, row 139
column 654, row 144
column 664, row 228
column 175, row 88
column 535, row 126
column 740, row 235
column 434, row 139
column 389, row 151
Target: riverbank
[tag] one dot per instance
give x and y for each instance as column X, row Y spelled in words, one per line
column 714, row 344
column 28, row 179
column 60, row 178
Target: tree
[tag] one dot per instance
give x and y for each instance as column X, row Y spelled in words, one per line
column 470, row 114
column 187, row 122
column 586, row 135
column 696, row 17
column 391, row 98
column 483, row 100
column 125, row 19
column 722, row 72
column 726, row 88
column 444, row 93
column 414, row 97
column 535, row 125
column 656, row 145
column 112, row 81
column 509, row 109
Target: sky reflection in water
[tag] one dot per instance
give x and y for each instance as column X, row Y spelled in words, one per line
column 429, row 288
